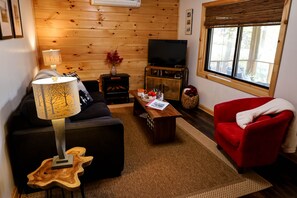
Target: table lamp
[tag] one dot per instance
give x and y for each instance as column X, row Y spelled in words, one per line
column 57, row 98
column 52, row 57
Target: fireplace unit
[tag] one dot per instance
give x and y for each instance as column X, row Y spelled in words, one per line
column 115, row 87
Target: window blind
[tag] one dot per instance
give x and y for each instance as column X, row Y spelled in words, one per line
column 244, row 13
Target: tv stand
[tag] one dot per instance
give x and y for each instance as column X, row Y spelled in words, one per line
column 169, row 80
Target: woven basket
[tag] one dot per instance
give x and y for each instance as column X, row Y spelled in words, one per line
column 189, row 102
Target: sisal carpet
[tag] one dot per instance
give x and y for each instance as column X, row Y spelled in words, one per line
column 190, row 166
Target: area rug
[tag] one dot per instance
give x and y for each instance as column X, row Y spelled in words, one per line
column 190, row 166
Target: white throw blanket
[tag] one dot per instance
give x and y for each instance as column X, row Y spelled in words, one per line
column 274, row 106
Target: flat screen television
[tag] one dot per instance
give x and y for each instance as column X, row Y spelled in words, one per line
column 167, row 53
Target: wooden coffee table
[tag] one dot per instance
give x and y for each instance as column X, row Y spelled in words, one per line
column 161, row 123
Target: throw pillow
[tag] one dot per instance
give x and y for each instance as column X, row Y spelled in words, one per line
column 84, row 96
column 85, row 100
column 72, row 74
column 79, row 83
column 46, row 73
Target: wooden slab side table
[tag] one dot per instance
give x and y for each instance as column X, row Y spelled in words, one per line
column 46, row 178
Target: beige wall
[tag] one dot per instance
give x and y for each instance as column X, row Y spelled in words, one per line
column 211, row 93
column 84, row 33
column 17, row 63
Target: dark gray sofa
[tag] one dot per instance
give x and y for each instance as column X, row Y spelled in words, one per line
column 31, row 140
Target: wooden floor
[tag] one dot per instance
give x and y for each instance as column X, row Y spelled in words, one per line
column 282, row 175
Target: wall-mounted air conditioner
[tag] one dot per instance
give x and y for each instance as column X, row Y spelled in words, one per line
column 120, row 3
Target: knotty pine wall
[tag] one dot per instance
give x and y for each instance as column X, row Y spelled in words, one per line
column 85, row 33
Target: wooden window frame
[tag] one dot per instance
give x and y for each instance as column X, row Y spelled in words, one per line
column 236, row 84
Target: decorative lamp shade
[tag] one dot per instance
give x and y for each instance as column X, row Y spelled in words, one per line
column 51, row 57
column 56, row 98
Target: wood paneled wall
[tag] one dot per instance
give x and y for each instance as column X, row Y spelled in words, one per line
column 85, row 33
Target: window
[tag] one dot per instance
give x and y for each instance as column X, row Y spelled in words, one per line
column 241, row 43
column 243, row 53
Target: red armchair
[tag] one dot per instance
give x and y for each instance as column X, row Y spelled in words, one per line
column 256, row 145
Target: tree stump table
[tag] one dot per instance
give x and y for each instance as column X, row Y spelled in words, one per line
column 46, row 178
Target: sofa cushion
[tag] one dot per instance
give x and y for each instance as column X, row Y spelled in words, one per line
column 97, row 97
column 231, row 132
column 97, row 109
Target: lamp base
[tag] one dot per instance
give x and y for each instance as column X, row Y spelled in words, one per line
column 62, row 163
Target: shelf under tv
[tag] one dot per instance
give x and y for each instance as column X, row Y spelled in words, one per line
column 169, row 79
column 166, row 68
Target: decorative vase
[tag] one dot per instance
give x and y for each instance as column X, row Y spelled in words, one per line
column 113, row 70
